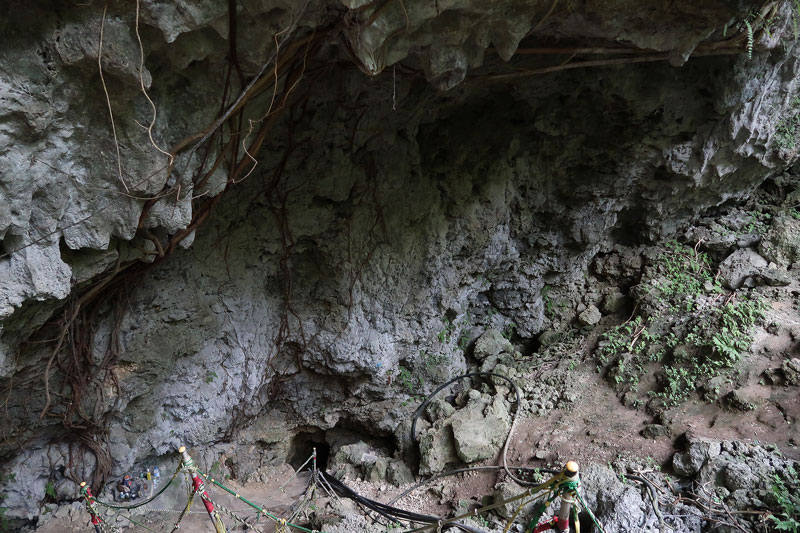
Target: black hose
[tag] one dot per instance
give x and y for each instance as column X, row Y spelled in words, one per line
column 145, row 502
column 505, row 467
column 471, row 469
column 392, row 513
column 653, row 495
column 424, row 404
column 504, row 454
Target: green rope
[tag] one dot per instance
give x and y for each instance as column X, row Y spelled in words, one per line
column 590, row 513
column 145, row 502
column 236, row 518
column 568, row 486
column 184, row 512
column 541, row 507
column 538, row 511
column 131, row 520
column 565, row 486
column 533, row 491
column 258, row 508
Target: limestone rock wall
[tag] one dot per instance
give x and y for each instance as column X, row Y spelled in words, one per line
column 404, row 220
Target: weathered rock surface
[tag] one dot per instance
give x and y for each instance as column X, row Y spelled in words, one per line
column 480, row 429
column 437, row 449
column 472, row 433
column 746, row 268
column 385, row 221
column 699, row 452
column 787, row 374
column 741, row 475
column 782, row 243
column 590, row 316
column 741, row 268
column 492, row 343
column 439, row 409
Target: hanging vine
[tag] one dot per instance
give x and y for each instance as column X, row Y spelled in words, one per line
column 74, row 377
column 78, row 371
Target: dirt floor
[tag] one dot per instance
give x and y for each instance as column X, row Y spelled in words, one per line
column 599, row 428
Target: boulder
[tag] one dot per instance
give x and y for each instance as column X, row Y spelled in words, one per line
column 590, row 316
column 358, row 454
column 479, row 439
column 376, row 471
column 480, row 428
column 697, row 454
column 781, row 244
column 737, row 400
column 550, row 337
column 746, row 268
column 791, row 371
column 742, row 268
column 507, row 490
column 618, row 506
column 439, row 409
column 613, row 302
column 786, row 374
column 492, row 343
column 437, row 449
column 398, row 473
column 738, row 476
column 654, row 431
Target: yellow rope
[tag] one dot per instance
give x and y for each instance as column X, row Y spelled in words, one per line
column 514, row 516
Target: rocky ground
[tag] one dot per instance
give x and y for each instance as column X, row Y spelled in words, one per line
column 678, row 362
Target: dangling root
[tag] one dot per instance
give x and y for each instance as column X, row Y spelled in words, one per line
column 108, row 98
column 144, row 91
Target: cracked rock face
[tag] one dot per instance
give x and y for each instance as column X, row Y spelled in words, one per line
column 450, row 37
column 405, row 222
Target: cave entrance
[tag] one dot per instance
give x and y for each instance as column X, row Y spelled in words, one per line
column 302, row 447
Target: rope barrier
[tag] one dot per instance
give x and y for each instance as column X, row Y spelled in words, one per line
column 129, row 519
column 279, row 489
column 184, row 512
column 145, row 502
column 86, row 492
column 257, row 507
column 563, row 484
column 237, row 518
column 200, row 488
column 187, row 465
column 558, row 485
column 157, row 510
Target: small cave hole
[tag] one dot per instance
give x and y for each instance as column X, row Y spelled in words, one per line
column 585, row 522
column 9, row 243
column 531, row 346
column 303, row 445
column 629, row 230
